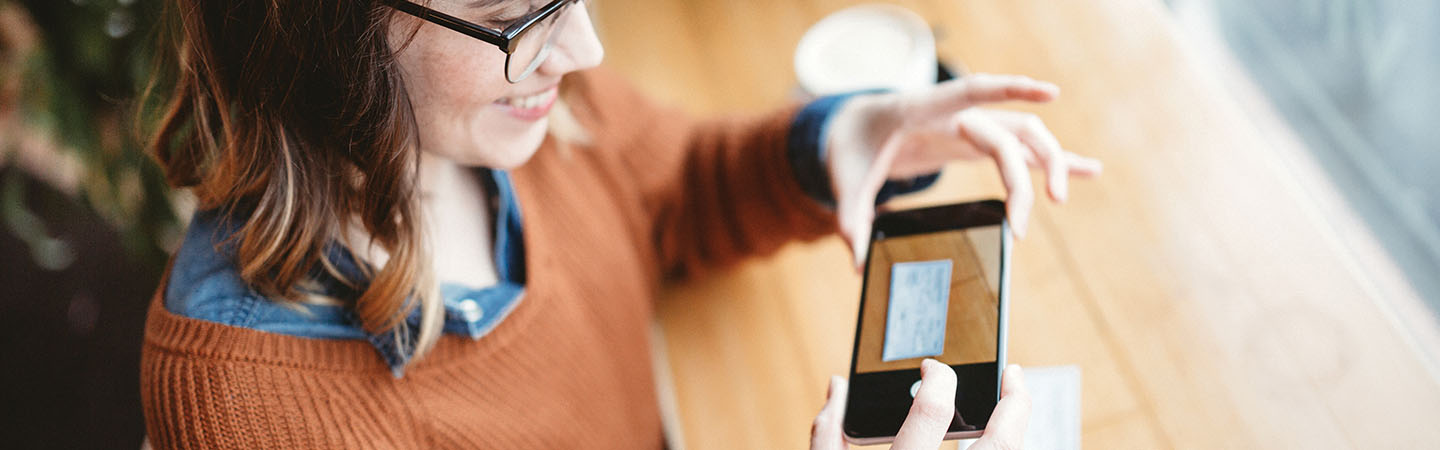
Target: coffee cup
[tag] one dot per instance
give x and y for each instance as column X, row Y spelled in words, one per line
column 866, row 47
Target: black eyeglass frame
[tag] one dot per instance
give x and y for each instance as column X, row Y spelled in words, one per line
column 504, row 39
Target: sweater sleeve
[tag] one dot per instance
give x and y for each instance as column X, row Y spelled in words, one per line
column 713, row 191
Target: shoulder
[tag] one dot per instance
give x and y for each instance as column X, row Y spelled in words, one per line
column 608, row 104
column 599, row 84
column 204, row 284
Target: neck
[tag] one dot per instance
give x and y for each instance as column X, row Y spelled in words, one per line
column 454, row 208
column 436, row 176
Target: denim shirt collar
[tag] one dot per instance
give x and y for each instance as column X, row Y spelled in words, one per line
column 469, row 311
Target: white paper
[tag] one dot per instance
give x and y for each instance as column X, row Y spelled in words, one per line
column 1054, row 409
column 919, row 301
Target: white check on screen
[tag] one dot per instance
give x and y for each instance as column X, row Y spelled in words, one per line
column 919, row 300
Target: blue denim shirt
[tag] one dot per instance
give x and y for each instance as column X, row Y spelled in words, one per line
column 204, row 283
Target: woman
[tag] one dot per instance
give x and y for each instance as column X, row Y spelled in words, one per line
column 415, row 232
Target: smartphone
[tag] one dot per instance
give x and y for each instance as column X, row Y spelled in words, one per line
column 935, row 287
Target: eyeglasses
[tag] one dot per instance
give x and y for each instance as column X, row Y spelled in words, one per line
column 526, row 43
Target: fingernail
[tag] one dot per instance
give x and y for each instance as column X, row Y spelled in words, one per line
column 926, row 364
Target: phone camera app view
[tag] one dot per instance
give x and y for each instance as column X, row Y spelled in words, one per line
column 936, row 295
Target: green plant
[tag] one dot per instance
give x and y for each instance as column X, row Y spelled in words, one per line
column 78, row 84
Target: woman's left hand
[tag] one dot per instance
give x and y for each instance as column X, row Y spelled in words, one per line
column 902, row 135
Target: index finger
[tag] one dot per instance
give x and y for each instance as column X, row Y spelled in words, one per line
column 982, row 88
column 933, row 410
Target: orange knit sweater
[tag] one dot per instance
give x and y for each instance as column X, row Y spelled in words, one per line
column 653, row 195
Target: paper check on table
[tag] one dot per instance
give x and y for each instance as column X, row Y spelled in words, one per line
column 919, row 301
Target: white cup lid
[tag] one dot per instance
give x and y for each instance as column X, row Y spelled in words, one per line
column 866, row 47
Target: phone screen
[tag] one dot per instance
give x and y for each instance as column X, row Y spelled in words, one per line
column 934, row 295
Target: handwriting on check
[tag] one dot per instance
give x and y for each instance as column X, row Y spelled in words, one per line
column 919, row 300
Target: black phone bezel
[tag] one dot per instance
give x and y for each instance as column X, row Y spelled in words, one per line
column 879, row 418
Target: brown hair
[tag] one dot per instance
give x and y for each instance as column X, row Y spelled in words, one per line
column 292, row 118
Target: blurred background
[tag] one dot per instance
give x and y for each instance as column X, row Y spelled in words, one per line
column 1167, row 257
column 1355, row 80
column 85, row 218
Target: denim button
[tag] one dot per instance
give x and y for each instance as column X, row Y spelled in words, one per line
column 470, row 310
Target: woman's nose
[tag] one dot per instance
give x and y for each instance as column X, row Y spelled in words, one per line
column 576, row 45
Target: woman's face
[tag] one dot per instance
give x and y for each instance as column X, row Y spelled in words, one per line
column 465, row 109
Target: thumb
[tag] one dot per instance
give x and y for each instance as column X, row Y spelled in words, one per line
column 855, row 229
column 856, row 214
column 827, row 432
column 855, row 202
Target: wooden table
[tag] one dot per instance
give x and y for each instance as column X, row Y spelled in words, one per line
column 1213, row 288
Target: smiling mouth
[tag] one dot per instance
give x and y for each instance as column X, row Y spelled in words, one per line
column 530, row 107
column 530, row 101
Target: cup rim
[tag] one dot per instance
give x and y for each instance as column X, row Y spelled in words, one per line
column 910, row 23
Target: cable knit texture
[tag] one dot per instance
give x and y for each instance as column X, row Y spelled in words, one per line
column 654, row 195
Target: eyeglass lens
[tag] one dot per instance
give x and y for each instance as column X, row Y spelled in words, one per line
column 533, row 47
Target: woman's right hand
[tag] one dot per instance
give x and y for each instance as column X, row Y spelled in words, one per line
column 932, row 412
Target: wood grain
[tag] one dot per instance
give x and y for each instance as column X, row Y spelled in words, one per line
column 1214, row 289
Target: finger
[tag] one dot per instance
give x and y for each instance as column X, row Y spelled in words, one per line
column 1084, row 166
column 827, row 432
column 1006, row 427
column 988, row 88
column 933, row 410
column 1012, row 382
column 1033, row 133
column 1008, row 153
column 983, row 88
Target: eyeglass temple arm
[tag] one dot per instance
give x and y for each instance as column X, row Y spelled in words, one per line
column 451, row 22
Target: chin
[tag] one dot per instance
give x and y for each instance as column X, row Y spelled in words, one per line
column 516, row 151
column 497, row 147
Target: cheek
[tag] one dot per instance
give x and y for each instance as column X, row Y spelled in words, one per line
column 453, row 82
column 448, row 71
